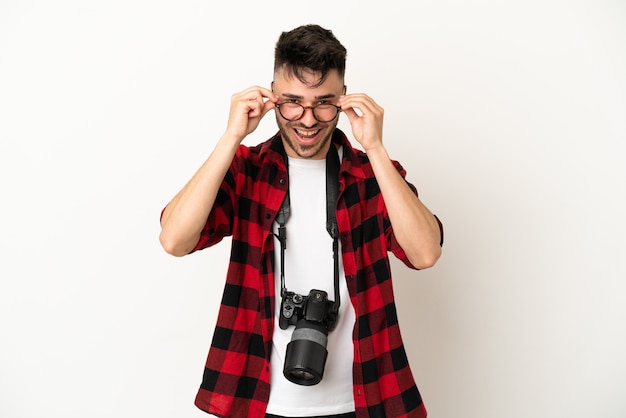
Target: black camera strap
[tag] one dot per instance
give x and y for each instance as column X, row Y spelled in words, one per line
column 332, row 194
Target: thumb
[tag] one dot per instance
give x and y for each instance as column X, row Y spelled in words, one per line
column 351, row 114
column 267, row 106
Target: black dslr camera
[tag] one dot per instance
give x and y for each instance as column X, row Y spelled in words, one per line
column 314, row 316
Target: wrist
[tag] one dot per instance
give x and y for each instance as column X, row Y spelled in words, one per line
column 377, row 150
column 232, row 138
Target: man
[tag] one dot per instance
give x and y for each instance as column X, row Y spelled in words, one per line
column 255, row 194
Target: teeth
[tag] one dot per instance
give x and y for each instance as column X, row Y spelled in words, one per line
column 306, row 133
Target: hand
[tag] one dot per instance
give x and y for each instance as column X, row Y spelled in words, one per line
column 367, row 124
column 247, row 108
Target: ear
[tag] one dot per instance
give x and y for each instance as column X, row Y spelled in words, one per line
column 272, row 86
column 344, row 89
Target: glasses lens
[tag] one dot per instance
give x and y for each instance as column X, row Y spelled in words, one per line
column 325, row 112
column 291, row 111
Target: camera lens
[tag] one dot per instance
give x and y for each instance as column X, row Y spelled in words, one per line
column 301, row 375
column 306, row 353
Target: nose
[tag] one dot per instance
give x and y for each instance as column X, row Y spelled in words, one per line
column 307, row 118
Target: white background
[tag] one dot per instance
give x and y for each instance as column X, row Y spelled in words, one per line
column 510, row 117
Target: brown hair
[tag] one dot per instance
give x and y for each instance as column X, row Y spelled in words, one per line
column 309, row 48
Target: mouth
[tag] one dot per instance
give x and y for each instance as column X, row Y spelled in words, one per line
column 307, row 135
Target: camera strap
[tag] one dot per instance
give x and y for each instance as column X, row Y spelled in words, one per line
column 332, row 194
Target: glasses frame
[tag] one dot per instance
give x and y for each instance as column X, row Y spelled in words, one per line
column 305, row 108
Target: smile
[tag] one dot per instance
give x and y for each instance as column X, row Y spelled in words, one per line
column 307, row 134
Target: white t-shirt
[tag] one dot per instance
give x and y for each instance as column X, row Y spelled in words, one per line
column 309, row 265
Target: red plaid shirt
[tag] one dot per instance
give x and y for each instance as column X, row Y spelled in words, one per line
column 236, row 381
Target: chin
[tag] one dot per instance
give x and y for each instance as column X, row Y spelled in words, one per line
column 309, row 151
column 298, row 144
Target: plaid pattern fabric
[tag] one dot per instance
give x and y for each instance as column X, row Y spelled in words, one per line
column 236, row 378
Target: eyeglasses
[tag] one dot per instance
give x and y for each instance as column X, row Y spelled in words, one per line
column 293, row 111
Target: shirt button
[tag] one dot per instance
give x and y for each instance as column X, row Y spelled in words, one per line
column 267, row 216
column 281, row 181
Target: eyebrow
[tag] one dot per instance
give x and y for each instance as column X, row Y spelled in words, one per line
column 296, row 97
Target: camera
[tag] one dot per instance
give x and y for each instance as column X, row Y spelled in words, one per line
column 314, row 317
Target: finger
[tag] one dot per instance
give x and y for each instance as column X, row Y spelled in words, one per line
column 254, row 107
column 350, row 113
column 259, row 94
column 259, row 108
column 268, row 105
column 268, row 94
column 360, row 102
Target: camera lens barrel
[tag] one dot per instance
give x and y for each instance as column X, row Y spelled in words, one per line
column 306, row 353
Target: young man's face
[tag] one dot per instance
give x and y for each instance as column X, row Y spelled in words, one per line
column 307, row 137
